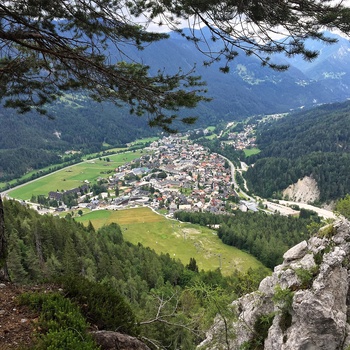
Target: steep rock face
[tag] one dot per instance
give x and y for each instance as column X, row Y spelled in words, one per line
column 305, row 190
column 304, row 304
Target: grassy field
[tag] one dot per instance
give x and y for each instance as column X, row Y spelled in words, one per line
column 180, row 240
column 250, row 151
column 211, row 137
column 144, row 140
column 28, row 176
column 73, row 176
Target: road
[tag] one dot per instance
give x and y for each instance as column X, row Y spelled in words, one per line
column 327, row 214
column 282, row 206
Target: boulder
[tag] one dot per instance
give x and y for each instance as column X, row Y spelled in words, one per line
column 296, row 252
column 109, row 340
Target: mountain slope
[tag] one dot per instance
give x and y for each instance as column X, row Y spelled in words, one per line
column 312, row 143
column 31, row 141
column 248, row 89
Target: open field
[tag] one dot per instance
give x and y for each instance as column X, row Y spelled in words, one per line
column 144, row 140
column 73, row 176
column 251, row 151
column 28, row 176
column 180, row 240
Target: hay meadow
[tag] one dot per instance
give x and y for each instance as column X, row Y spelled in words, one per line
column 73, row 176
column 181, row 240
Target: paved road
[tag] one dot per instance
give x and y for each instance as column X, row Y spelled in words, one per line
column 327, row 214
column 233, row 179
column 282, row 206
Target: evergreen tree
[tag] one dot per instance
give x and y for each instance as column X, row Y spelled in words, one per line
column 4, row 276
column 192, row 265
column 53, row 46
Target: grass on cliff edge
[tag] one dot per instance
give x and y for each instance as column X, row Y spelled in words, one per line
column 181, row 240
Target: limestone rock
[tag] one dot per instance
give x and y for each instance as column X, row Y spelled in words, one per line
column 305, row 190
column 296, row 252
column 316, row 277
column 109, row 340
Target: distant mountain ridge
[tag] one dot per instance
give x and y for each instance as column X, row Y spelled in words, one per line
column 248, row 89
column 331, row 67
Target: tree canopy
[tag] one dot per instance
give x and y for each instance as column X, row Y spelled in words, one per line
column 49, row 47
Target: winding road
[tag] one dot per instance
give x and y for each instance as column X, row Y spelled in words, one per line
column 281, row 206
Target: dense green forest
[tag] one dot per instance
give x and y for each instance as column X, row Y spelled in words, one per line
column 310, row 143
column 30, row 142
column 265, row 236
column 119, row 285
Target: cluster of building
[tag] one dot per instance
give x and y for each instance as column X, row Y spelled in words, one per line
column 243, row 139
column 197, row 180
column 174, row 174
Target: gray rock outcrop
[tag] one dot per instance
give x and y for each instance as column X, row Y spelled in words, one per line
column 305, row 190
column 304, row 304
column 108, row 340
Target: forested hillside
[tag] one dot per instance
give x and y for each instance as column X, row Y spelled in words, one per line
column 118, row 285
column 246, row 90
column 31, row 141
column 312, row 143
column 263, row 235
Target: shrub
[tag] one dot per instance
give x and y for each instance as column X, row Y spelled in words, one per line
column 101, row 304
column 261, row 329
column 284, row 300
column 306, row 276
column 327, row 231
column 61, row 324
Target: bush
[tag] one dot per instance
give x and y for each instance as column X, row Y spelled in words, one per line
column 101, row 304
column 306, row 276
column 61, row 324
column 284, row 300
column 261, row 329
column 327, row 231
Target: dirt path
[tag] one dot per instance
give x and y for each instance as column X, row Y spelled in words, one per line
column 17, row 323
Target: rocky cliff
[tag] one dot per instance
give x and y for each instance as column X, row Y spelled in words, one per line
column 303, row 305
column 305, row 191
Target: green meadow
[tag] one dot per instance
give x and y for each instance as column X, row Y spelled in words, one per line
column 251, row 151
column 73, row 176
column 144, row 140
column 180, row 240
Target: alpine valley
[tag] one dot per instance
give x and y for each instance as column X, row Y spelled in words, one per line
column 232, row 234
column 247, row 89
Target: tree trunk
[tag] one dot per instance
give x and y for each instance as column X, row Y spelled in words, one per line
column 4, row 276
